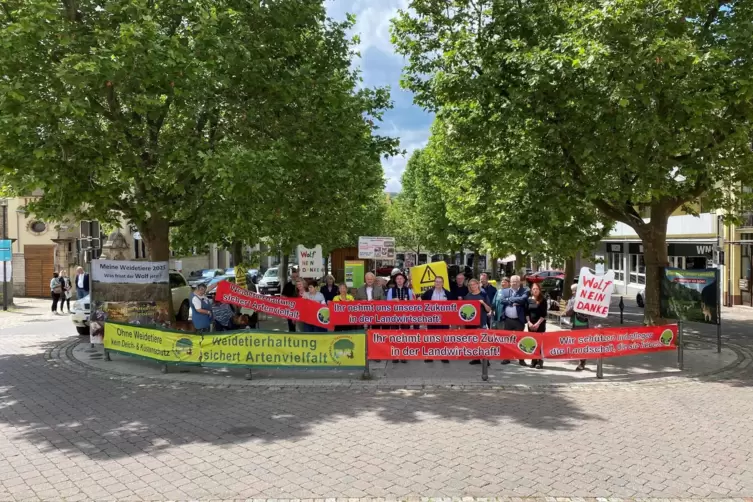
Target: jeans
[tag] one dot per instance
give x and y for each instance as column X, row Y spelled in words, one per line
column 55, row 300
column 81, row 293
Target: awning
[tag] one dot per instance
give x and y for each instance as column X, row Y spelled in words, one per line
column 507, row 259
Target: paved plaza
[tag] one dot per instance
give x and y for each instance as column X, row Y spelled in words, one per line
column 72, row 428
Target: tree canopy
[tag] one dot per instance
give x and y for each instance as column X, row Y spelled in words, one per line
column 231, row 119
column 621, row 105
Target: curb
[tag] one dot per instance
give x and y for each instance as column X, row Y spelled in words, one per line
column 62, row 355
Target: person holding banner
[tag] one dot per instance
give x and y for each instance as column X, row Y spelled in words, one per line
column 315, row 295
column 487, row 288
column 577, row 320
column 201, row 310
column 330, row 289
column 370, row 290
column 536, row 312
column 437, row 294
column 344, row 296
column 497, row 303
column 476, row 293
column 291, row 290
column 401, row 293
column 513, row 302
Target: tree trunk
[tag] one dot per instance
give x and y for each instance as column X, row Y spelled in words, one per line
column 521, row 263
column 654, row 237
column 475, row 263
column 326, row 265
column 569, row 277
column 156, row 234
column 282, row 272
column 236, row 251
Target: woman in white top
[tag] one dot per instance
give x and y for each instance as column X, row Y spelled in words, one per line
column 312, row 293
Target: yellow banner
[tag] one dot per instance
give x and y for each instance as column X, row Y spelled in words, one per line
column 152, row 343
column 240, row 348
column 422, row 277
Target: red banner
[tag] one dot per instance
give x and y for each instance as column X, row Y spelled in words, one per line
column 393, row 344
column 609, row 342
column 448, row 313
column 297, row 309
column 453, row 344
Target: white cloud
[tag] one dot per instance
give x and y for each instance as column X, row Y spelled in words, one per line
column 410, row 140
column 372, row 20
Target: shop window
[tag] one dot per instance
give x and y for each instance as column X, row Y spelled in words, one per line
column 696, row 262
column 637, row 269
column 677, row 261
column 614, row 262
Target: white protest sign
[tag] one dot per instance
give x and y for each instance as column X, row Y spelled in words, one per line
column 130, row 272
column 310, row 262
column 594, row 293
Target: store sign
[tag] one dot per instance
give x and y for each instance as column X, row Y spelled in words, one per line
column 614, row 248
column 690, row 249
column 744, row 284
column 376, row 248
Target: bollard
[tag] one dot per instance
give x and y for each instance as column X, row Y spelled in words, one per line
column 107, row 355
column 164, row 368
column 680, row 349
column 248, row 375
column 600, row 368
column 622, row 311
column 484, row 370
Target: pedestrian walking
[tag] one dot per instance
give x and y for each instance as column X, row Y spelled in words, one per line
column 65, row 297
column 330, row 290
column 82, row 283
column 400, row 292
column 536, row 312
column 437, row 294
column 56, row 289
column 577, row 321
column 476, row 293
column 290, row 290
column 315, row 295
column 201, row 310
column 513, row 302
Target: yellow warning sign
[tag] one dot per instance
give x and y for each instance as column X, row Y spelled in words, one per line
column 423, row 276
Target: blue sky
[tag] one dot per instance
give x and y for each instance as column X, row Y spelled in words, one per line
column 381, row 66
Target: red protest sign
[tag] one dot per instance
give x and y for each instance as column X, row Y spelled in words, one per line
column 297, row 309
column 448, row 313
column 609, row 342
column 452, row 344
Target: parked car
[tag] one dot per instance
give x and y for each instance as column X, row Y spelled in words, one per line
column 180, row 292
column 215, row 281
column 640, row 298
column 544, row 274
column 551, row 287
column 269, row 284
column 204, row 276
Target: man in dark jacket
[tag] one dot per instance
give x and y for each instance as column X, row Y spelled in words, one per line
column 81, row 282
column 513, row 303
column 437, row 294
column 459, row 289
column 290, row 291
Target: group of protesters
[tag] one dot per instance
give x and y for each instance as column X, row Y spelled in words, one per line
column 512, row 307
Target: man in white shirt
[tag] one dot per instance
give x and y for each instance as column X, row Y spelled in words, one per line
column 513, row 302
column 82, row 283
column 370, row 290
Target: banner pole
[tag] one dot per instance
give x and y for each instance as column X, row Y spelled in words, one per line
column 484, row 370
column 600, row 368
column 719, row 312
column 366, row 373
column 680, row 355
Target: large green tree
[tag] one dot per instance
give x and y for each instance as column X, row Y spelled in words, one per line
column 629, row 103
column 163, row 112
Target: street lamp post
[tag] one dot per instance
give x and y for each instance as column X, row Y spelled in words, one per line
column 4, row 204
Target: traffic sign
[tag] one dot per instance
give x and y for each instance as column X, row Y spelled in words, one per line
column 6, row 247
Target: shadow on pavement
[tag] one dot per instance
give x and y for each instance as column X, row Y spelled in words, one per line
column 58, row 409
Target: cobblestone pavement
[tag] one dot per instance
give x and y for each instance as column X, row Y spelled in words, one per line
column 70, row 435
